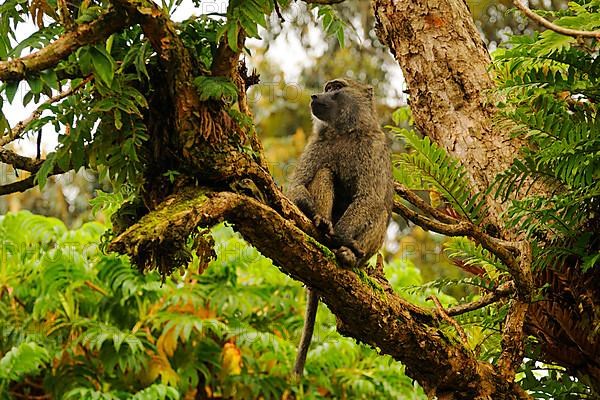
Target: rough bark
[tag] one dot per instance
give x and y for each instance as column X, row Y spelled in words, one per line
column 445, row 65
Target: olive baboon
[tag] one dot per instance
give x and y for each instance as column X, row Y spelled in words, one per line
column 343, row 181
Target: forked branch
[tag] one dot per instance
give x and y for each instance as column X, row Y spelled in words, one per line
column 518, row 268
column 501, row 291
column 517, row 258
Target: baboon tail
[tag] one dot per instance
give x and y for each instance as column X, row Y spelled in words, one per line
column 312, row 302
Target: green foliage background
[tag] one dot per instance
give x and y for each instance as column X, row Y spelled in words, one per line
column 79, row 324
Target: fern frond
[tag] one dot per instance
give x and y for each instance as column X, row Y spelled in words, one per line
column 182, row 325
column 30, row 229
column 92, row 394
column 22, row 360
column 549, row 98
column 562, row 214
column 117, row 274
column 465, row 250
column 156, row 391
column 435, row 169
column 116, row 347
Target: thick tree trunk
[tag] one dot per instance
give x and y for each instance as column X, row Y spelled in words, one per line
column 445, row 64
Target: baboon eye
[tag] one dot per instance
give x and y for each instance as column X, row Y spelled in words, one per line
column 330, row 87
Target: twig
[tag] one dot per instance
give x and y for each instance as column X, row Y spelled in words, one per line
column 95, row 288
column 278, row 11
column 442, row 313
column 418, row 202
column 549, row 25
column 25, row 163
column 491, row 297
column 38, row 145
column 462, row 228
column 16, row 132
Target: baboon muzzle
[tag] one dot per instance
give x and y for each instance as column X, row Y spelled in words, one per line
column 319, row 106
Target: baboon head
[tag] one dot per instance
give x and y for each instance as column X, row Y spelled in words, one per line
column 344, row 103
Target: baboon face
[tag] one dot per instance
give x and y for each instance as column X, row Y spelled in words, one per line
column 342, row 101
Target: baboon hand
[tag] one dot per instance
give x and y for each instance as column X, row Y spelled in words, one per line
column 345, row 257
column 323, row 225
column 358, row 251
column 351, row 244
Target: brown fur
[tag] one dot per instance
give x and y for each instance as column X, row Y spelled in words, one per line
column 343, row 181
column 358, row 187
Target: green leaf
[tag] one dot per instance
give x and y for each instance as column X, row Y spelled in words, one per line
column 140, row 60
column 78, row 155
column 118, row 121
column 36, row 84
column 4, row 125
column 341, row 37
column 103, row 64
column 105, row 104
column 27, row 98
column 45, row 170
column 11, row 90
column 84, row 59
column 436, row 169
column 232, row 35
column 590, row 262
column 49, row 78
column 217, row 88
column 26, row 359
column 4, row 46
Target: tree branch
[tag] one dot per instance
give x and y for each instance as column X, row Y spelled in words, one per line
column 20, row 162
column 18, row 186
column 376, row 317
column 16, row 132
column 418, row 202
column 553, row 27
column 49, row 56
column 520, row 270
column 28, row 164
column 444, row 315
